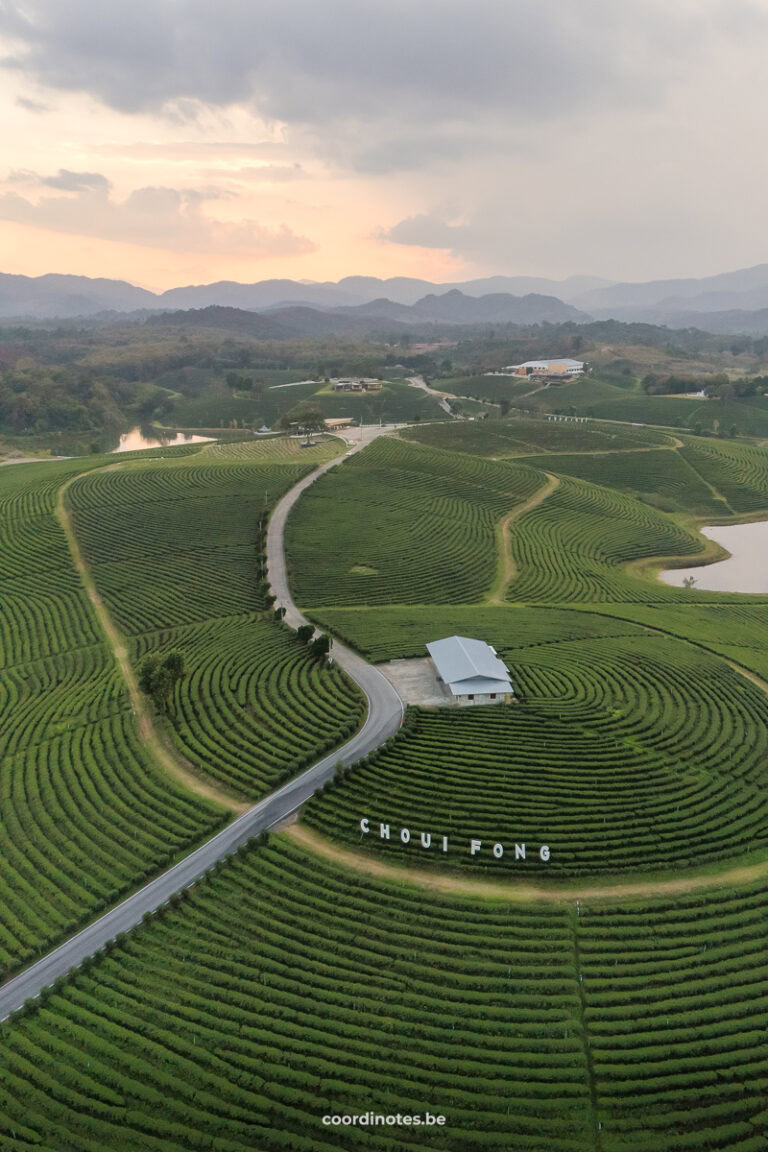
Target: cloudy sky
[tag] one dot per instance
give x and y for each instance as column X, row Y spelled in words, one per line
column 180, row 141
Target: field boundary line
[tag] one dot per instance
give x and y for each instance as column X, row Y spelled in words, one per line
column 506, row 568
column 524, row 892
column 716, row 493
column 148, row 734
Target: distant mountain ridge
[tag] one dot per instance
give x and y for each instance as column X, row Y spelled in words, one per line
column 451, row 308
column 739, row 293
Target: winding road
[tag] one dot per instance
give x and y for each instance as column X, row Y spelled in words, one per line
column 385, row 712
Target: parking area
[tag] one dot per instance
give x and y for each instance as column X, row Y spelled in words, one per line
column 416, row 681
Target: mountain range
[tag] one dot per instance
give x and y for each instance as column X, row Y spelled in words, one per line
column 729, row 302
column 379, row 317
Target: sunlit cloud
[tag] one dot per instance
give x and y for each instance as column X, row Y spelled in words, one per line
column 157, row 217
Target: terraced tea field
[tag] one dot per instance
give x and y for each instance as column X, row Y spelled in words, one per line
column 575, row 547
column 86, row 816
column 173, row 553
column 254, row 707
column 389, row 633
column 662, row 478
column 605, row 760
column 282, row 989
column 516, row 437
column 738, row 471
column 423, row 531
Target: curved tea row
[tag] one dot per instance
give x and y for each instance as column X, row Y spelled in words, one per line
column 282, row 990
column 401, row 523
column 634, row 752
column 574, row 546
column 254, row 707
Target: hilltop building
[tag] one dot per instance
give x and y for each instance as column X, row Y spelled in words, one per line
column 357, row 385
column 471, row 671
column 563, row 367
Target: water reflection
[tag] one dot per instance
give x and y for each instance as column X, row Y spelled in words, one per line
column 745, row 570
column 139, row 438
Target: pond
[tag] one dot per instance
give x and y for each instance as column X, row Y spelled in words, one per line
column 745, row 570
column 137, row 439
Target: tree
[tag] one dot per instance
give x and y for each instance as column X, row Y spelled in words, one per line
column 159, row 676
column 305, row 632
column 306, row 418
column 504, row 406
column 321, row 645
column 279, row 613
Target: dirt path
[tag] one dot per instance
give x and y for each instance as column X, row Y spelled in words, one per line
column 149, row 736
column 506, row 565
column 523, row 893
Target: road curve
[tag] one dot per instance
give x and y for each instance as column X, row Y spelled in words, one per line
column 385, row 710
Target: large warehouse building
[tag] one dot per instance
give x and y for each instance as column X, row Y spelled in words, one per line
column 471, row 671
column 563, row 367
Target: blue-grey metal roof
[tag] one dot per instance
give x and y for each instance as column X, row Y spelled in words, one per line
column 469, row 666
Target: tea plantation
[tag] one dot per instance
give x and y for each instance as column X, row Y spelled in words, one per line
column 86, row 815
column 423, row 529
column 284, row 989
column 517, row 436
column 286, row 985
column 605, row 761
column 173, row 553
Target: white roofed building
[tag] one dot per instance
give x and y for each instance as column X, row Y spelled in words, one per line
column 471, row 671
column 558, row 367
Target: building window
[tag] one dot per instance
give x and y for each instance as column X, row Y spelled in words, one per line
column 493, row 695
column 470, row 697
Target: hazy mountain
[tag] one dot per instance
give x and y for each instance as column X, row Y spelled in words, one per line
column 496, row 308
column 46, row 297
column 52, row 296
column 655, row 301
column 404, row 290
column 233, row 319
column 380, row 317
column 753, row 322
column 745, row 288
column 264, row 294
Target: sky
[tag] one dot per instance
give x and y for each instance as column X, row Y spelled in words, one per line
column 171, row 142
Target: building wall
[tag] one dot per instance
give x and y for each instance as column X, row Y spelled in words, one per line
column 465, row 702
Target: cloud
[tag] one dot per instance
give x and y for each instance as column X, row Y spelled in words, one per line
column 428, row 230
column 166, row 218
column 66, row 181
column 32, row 105
column 474, row 68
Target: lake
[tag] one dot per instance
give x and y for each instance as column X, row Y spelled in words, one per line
column 135, row 440
column 745, row 570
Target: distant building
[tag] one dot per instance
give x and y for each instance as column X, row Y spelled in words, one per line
column 356, row 385
column 471, row 671
column 564, row 367
column 338, row 421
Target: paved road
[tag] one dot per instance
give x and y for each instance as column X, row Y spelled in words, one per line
column 385, row 711
column 443, row 398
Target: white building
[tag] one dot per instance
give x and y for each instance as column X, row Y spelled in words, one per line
column 471, row 671
column 563, row 367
